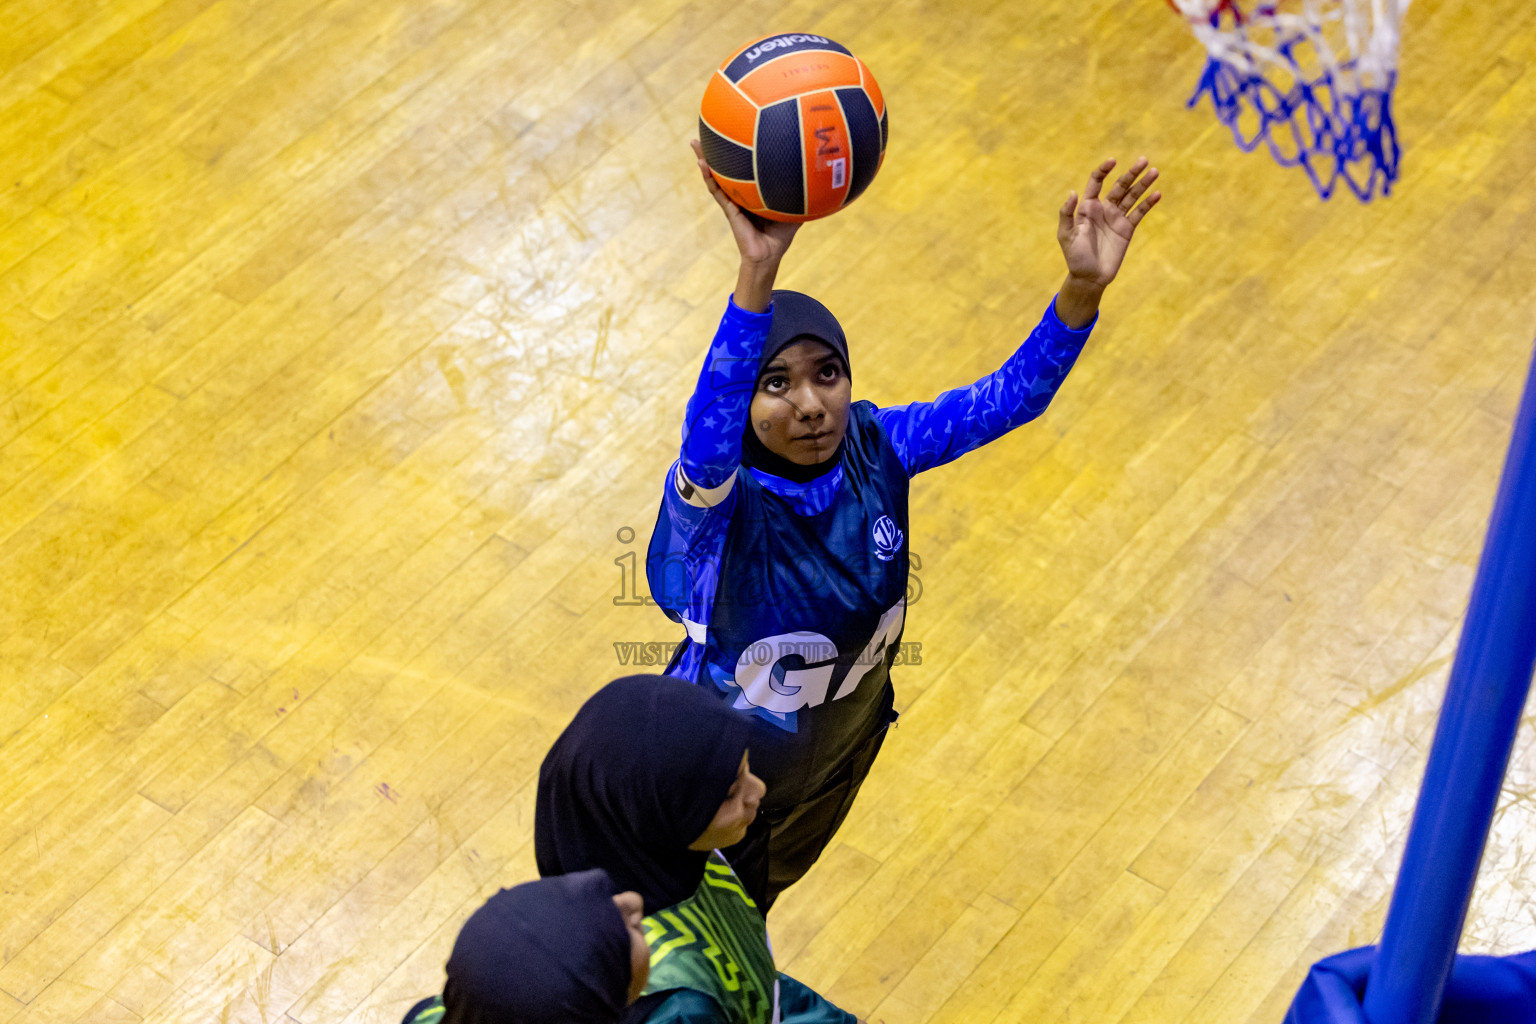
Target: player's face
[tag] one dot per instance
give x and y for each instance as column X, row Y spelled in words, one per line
column 632, row 907
column 800, row 408
column 736, row 811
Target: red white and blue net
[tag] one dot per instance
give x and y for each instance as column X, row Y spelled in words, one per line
column 1311, row 80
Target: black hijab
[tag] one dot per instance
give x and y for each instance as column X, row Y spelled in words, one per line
column 545, row 952
column 637, row 776
column 795, row 316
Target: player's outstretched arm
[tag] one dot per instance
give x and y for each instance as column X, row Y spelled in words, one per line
column 1094, row 235
column 717, row 411
column 762, row 244
column 1095, row 232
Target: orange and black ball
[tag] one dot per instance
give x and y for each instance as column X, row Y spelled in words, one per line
column 793, row 127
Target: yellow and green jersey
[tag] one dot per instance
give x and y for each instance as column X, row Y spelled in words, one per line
column 716, row 942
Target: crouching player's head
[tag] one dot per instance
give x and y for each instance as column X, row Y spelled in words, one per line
column 563, row 949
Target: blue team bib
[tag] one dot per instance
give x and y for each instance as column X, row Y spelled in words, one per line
column 809, row 612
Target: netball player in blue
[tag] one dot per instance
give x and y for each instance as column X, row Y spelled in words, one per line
column 781, row 543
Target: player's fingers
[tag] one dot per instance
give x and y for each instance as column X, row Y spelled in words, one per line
column 698, row 158
column 734, row 214
column 1064, row 219
column 1123, row 184
column 715, row 191
column 718, row 195
column 1137, row 189
column 1141, row 211
column 709, row 179
column 1091, row 191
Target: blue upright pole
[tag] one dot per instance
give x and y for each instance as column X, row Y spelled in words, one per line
column 1483, row 700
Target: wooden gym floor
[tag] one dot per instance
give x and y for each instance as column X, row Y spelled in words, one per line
column 343, row 348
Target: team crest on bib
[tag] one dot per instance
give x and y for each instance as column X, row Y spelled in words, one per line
column 887, row 538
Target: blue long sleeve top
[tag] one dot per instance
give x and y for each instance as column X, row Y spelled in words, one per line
column 698, row 497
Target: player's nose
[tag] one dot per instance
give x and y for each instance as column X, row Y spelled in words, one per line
column 808, row 402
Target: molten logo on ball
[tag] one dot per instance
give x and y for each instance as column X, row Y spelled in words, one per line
column 782, row 42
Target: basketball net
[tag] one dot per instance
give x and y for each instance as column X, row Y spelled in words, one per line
column 1311, row 79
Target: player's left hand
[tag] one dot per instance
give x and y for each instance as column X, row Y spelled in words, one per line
column 1095, row 232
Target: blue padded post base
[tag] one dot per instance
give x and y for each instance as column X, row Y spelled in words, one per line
column 1481, row 990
